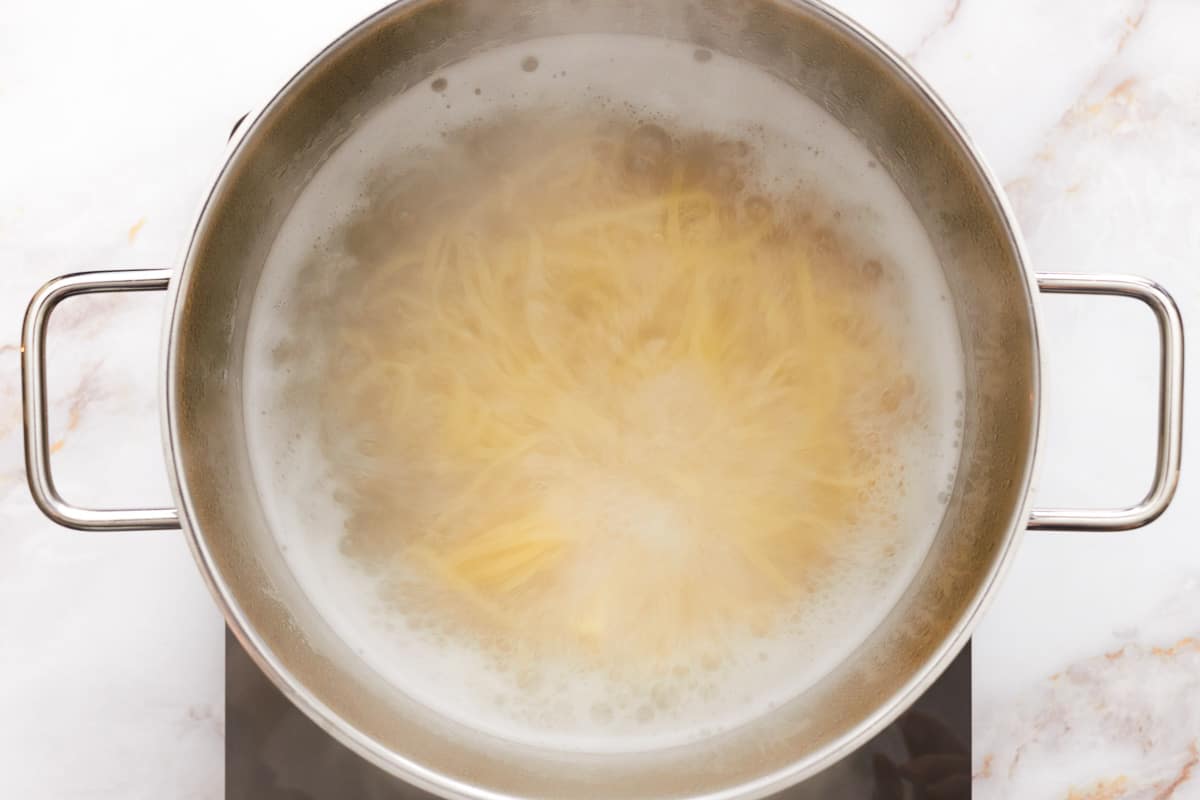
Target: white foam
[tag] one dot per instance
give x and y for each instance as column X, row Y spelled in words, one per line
column 572, row 710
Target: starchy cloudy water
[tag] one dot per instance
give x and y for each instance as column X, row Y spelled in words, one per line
column 603, row 413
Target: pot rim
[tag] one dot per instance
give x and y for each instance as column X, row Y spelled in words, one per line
column 430, row 780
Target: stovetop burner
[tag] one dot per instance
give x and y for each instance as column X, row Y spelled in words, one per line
column 274, row 752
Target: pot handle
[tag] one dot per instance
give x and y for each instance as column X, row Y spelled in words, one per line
column 1170, row 405
column 33, row 386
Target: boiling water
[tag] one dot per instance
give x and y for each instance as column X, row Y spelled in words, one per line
column 652, row 687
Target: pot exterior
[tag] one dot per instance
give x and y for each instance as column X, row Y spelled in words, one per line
column 911, row 134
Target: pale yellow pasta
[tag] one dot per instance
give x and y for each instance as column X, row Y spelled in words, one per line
column 614, row 411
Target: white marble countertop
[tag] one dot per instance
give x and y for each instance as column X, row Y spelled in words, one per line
column 113, row 118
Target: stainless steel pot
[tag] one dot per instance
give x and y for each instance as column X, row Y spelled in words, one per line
column 822, row 54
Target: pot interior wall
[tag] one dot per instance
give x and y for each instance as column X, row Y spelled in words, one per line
column 813, row 51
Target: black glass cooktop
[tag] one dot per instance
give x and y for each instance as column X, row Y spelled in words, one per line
column 274, row 752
